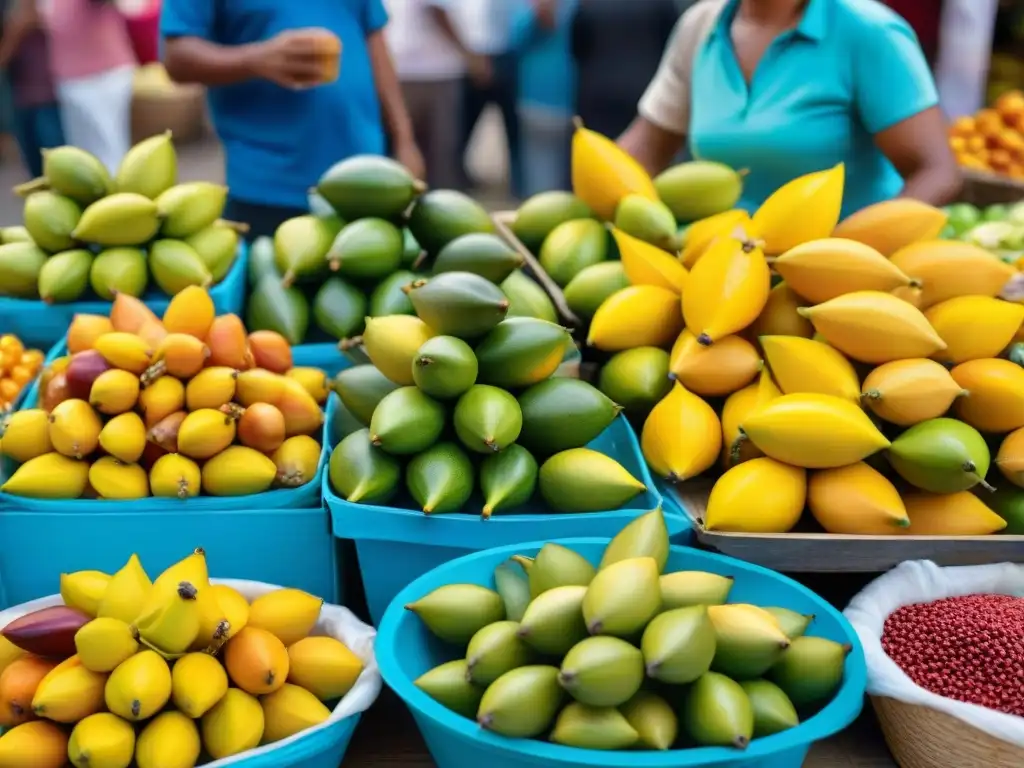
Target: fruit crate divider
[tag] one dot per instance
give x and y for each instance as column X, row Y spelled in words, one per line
column 840, row 553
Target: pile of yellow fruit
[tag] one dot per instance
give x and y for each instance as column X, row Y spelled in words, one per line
column 828, row 391
column 144, row 406
column 18, row 366
column 192, row 666
column 993, row 139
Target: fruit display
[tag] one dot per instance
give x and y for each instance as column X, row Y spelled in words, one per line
column 460, row 397
column 87, row 235
column 992, row 140
column 142, row 406
column 18, row 368
column 375, row 231
column 818, row 358
column 624, row 655
column 997, row 228
column 125, row 671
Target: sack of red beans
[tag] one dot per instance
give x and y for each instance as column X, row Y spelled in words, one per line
column 951, row 639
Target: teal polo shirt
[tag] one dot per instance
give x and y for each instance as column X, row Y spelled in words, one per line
column 849, row 70
column 278, row 141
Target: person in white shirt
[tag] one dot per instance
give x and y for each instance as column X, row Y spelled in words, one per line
column 432, row 61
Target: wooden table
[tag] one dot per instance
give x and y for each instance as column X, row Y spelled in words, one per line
column 387, row 736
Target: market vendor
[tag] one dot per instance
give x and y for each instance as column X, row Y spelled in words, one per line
column 280, row 123
column 787, row 87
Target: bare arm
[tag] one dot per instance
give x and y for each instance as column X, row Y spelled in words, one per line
column 396, row 117
column 653, row 147
column 22, row 20
column 194, row 60
column 917, row 147
column 444, row 22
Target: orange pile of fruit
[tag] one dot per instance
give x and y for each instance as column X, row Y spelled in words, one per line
column 993, row 139
column 18, row 366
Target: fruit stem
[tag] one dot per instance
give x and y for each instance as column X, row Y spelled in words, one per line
column 737, row 447
column 333, row 262
column 577, row 122
column 423, row 361
column 964, row 393
column 914, row 283
column 871, row 394
column 487, row 511
column 375, row 439
column 741, row 742
column 152, row 373
column 704, row 340
column 186, row 591
column 743, row 172
column 847, row 647
column 525, row 562
column 987, row 486
column 288, row 279
column 419, row 186
column 346, row 344
column 238, row 226
column 36, row 185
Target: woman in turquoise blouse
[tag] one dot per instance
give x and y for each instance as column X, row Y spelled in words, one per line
column 787, row 87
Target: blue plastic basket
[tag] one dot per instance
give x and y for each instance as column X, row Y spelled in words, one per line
column 278, row 537
column 38, row 324
column 396, row 545
column 324, row 355
column 405, row 650
column 323, row 749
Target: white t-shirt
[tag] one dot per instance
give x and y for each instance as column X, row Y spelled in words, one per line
column 420, row 50
column 485, row 24
column 965, row 52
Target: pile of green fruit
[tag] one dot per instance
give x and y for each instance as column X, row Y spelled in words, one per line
column 461, row 391
column 580, row 254
column 998, row 228
column 88, row 235
column 624, row 656
column 374, row 231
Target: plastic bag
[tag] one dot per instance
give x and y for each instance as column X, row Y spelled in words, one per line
column 922, row 581
column 335, row 621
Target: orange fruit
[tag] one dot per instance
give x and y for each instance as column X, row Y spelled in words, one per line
column 975, row 143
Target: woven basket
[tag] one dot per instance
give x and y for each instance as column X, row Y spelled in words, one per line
column 920, row 737
column 181, row 111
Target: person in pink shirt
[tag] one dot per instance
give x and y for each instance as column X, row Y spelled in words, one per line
column 93, row 63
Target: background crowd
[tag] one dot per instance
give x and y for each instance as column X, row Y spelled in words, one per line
column 69, row 67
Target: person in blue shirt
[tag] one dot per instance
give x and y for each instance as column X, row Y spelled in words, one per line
column 787, row 87
column 279, row 127
column 542, row 39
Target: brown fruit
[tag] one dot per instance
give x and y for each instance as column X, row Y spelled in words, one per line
column 48, row 632
column 165, row 432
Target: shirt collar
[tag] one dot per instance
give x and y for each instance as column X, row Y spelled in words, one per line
column 813, row 26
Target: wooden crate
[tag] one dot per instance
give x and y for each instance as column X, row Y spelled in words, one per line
column 503, row 222
column 806, row 552
column 984, row 189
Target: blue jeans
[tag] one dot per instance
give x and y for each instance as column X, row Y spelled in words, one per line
column 546, row 139
column 36, row 129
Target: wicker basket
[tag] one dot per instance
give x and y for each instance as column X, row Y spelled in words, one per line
column 920, row 737
column 181, row 111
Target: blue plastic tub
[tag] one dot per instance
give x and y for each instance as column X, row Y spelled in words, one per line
column 396, row 545
column 278, row 537
column 324, row 749
column 324, row 355
column 405, row 649
column 38, row 324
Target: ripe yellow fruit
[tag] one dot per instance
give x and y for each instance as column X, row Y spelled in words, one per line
column 907, row 392
column 813, row 431
column 105, row 643
column 234, row 725
column 234, row 607
column 950, row 514
column 780, row 317
column 735, row 446
column 637, row 316
column 1010, row 458
column 324, row 666
column 102, row 740
column 823, row 269
column 805, row 365
column 726, row 290
column 36, row 744
column 26, row 434
column 739, row 503
column 681, row 436
column 290, row 710
column 288, row 614
column 721, row 369
column 139, row 687
column 646, row 264
column 996, row 399
column 974, row 327
column 391, row 343
column 126, row 592
column 84, row 590
column 603, row 174
column 949, row 268
column 69, row 692
column 703, row 233
column 857, row 500
column 891, row 225
column 198, row 681
column 874, row 327
column 806, row 208
column 169, row 740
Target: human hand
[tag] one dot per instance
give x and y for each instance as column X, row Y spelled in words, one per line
column 480, row 68
column 295, row 58
column 408, row 154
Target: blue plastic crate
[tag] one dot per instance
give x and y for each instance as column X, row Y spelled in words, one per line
column 38, row 324
column 278, row 537
column 396, row 545
column 324, row 355
column 405, row 650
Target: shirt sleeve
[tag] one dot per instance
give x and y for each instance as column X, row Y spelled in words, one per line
column 666, row 102
column 187, row 18
column 374, row 18
column 892, row 80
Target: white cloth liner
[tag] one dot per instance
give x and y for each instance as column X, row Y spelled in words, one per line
column 923, row 581
column 335, row 621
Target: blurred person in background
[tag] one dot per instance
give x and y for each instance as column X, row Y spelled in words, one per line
column 93, row 66
column 617, row 47
column 36, row 119
column 542, row 39
column 280, row 117
column 487, row 25
column 836, row 81
column 432, row 60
